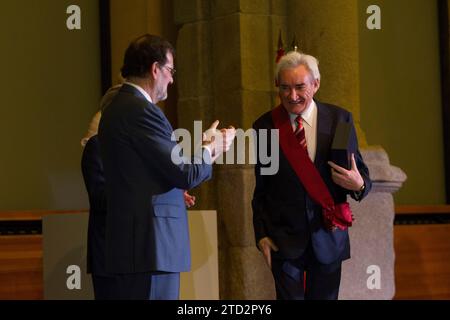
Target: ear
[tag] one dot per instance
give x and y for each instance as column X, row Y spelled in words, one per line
column 154, row 70
column 316, row 85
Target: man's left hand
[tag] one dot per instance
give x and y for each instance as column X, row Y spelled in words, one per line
column 188, row 199
column 347, row 179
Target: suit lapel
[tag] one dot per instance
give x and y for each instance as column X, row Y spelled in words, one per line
column 324, row 136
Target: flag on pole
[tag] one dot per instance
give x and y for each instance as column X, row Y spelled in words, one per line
column 280, row 51
column 294, row 45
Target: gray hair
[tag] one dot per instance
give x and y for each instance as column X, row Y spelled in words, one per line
column 293, row 59
column 92, row 129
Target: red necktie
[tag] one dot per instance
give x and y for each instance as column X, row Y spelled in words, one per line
column 300, row 132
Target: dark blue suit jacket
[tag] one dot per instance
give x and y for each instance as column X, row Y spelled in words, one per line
column 94, row 180
column 146, row 223
column 283, row 210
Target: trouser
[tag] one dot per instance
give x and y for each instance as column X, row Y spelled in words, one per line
column 322, row 280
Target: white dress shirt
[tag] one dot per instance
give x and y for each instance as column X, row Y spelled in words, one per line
column 309, row 116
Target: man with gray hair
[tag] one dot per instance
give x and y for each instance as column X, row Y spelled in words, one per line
column 300, row 214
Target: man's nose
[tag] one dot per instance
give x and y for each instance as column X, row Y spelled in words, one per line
column 293, row 94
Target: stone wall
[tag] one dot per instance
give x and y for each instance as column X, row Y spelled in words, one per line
column 226, row 53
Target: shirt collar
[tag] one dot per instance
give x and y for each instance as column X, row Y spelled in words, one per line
column 144, row 93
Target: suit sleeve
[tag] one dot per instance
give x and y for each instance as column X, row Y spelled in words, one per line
column 258, row 200
column 152, row 140
column 362, row 168
column 93, row 175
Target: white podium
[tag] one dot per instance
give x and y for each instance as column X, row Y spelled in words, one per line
column 64, row 258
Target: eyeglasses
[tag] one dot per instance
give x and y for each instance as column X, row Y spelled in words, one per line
column 297, row 88
column 171, row 70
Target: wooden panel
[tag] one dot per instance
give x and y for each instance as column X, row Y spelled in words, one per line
column 422, row 266
column 32, row 215
column 442, row 209
column 21, row 267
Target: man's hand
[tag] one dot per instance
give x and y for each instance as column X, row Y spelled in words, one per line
column 266, row 245
column 188, row 199
column 347, row 179
column 218, row 141
column 209, row 134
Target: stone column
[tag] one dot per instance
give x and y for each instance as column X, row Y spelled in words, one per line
column 194, row 77
column 371, row 236
column 251, row 27
column 226, row 51
column 328, row 30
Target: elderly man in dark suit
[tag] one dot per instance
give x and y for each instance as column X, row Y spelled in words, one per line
column 300, row 214
column 147, row 236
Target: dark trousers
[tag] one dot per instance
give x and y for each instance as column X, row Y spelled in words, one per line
column 322, row 280
column 137, row 286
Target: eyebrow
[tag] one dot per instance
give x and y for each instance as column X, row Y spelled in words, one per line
column 296, row 85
